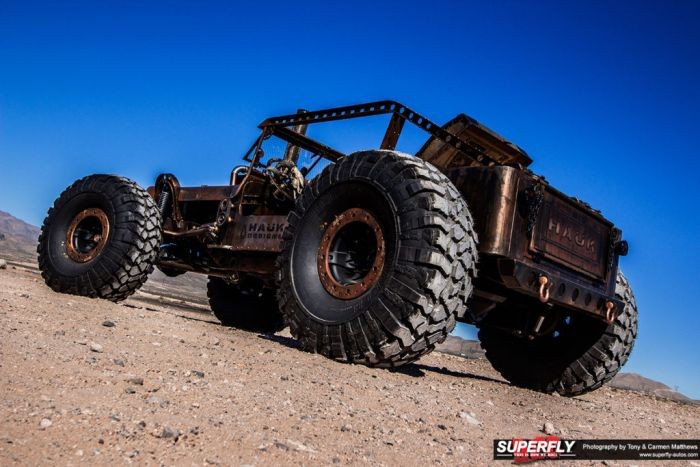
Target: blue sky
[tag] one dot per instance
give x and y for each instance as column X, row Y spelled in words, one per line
column 603, row 95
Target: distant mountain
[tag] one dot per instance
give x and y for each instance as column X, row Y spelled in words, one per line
column 17, row 238
column 639, row 383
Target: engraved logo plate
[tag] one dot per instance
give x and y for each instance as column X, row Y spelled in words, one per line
column 259, row 233
column 570, row 236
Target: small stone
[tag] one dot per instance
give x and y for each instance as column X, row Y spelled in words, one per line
column 45, row 423
column 118, row 362
column 95, row 347
column 469, row 418
column 141, row 424
column 346, row 427
column 197, row 373
column 108, row 324
column 157, row 400
column 132, row 454
column 167, row 432
column 137, row 380
column 3, row 264
column 194, row 430
column 130, row 390
column 25, row 295
column 548, row 428
column 297, row 446
column 281, row 445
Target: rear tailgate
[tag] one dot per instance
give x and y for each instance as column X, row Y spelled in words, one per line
column 572, row 234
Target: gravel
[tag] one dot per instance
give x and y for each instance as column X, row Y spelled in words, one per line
column 264, row 403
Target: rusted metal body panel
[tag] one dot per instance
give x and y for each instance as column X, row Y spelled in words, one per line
column 445, row 156
column 527, row 230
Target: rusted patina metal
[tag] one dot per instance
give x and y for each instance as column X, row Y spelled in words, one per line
column 292, row 151
column 490, row 147
column 475, row 142
column 204, row 193
column 393, row 132
column 87, row 235
column 258, row 233
column 566, row 234
column 530, row 232
column 349, row 290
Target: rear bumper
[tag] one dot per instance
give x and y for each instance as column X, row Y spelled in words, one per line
column 525, row 279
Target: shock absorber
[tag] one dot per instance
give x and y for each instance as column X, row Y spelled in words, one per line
column 164, row 201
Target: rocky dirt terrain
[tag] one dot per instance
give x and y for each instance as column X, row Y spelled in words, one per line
column 156, row 380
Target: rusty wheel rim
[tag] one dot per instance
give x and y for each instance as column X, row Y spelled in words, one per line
column 359, row 273
column 87, row 235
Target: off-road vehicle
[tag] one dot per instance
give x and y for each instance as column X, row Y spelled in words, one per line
column 375, row 258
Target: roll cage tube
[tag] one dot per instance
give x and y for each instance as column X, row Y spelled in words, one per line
column 279, row 126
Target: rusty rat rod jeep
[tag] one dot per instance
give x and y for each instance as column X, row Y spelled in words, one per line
column 374, row 259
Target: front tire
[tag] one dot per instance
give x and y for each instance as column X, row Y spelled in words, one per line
column 378, row 260
column 100, row 238
column 586, row 354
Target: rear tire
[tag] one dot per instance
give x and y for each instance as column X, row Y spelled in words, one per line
column 583, row 358
column 100, row 238
column 378, row 260
column 246, row 306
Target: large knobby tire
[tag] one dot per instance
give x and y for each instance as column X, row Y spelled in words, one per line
column 245, row 306
column 100, row 238
column 586, row 355
column 405, row 258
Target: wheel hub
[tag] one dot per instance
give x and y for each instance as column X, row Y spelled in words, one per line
column 87, row 235
column 351, row 255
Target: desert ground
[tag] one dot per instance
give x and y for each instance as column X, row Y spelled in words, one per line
column 158, row 381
